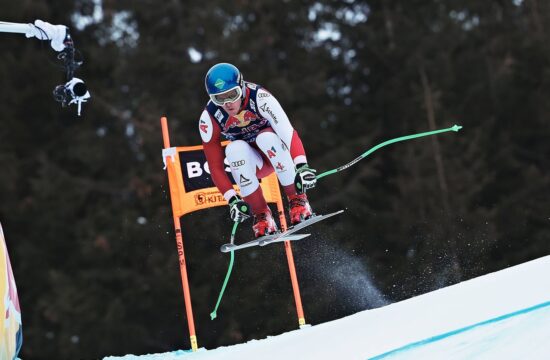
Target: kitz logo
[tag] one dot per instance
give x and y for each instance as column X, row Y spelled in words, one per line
column 208, row 198
column 196, row 169
column 237, row 163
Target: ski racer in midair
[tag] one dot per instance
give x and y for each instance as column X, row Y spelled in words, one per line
column 262, row 141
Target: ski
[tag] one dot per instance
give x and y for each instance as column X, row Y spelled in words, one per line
column 291, row 230
column 278, row 237
column 281, row 236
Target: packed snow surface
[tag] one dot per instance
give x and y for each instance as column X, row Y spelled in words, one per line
column 503, row 315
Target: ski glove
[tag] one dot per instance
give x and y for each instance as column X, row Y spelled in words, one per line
column 305, row 178
column 238, row 209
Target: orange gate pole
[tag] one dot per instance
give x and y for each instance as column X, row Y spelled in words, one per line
column 291, row 267
column 181, row 254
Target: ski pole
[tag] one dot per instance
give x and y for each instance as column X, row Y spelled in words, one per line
column 391, row 141
column 213, row 313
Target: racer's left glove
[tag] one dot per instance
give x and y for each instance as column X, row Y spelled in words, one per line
column 305, row 178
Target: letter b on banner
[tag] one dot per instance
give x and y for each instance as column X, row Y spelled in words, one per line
column 194, row 169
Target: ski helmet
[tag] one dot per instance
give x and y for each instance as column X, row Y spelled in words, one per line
column 224, row 83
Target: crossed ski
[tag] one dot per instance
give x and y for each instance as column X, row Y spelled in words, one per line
column 278, row 237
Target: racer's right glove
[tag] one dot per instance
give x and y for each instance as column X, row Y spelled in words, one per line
column 239, row 210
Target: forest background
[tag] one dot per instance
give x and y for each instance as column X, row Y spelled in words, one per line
column 84, row 201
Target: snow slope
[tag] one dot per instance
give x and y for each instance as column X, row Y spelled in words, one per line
column 503, row 315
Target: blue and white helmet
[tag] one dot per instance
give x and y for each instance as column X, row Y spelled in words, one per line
column 224, row 83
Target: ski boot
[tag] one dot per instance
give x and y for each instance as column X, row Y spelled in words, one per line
column 300, row 209
column 264, row 224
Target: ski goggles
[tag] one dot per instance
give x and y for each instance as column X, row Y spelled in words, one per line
column 228, row 96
